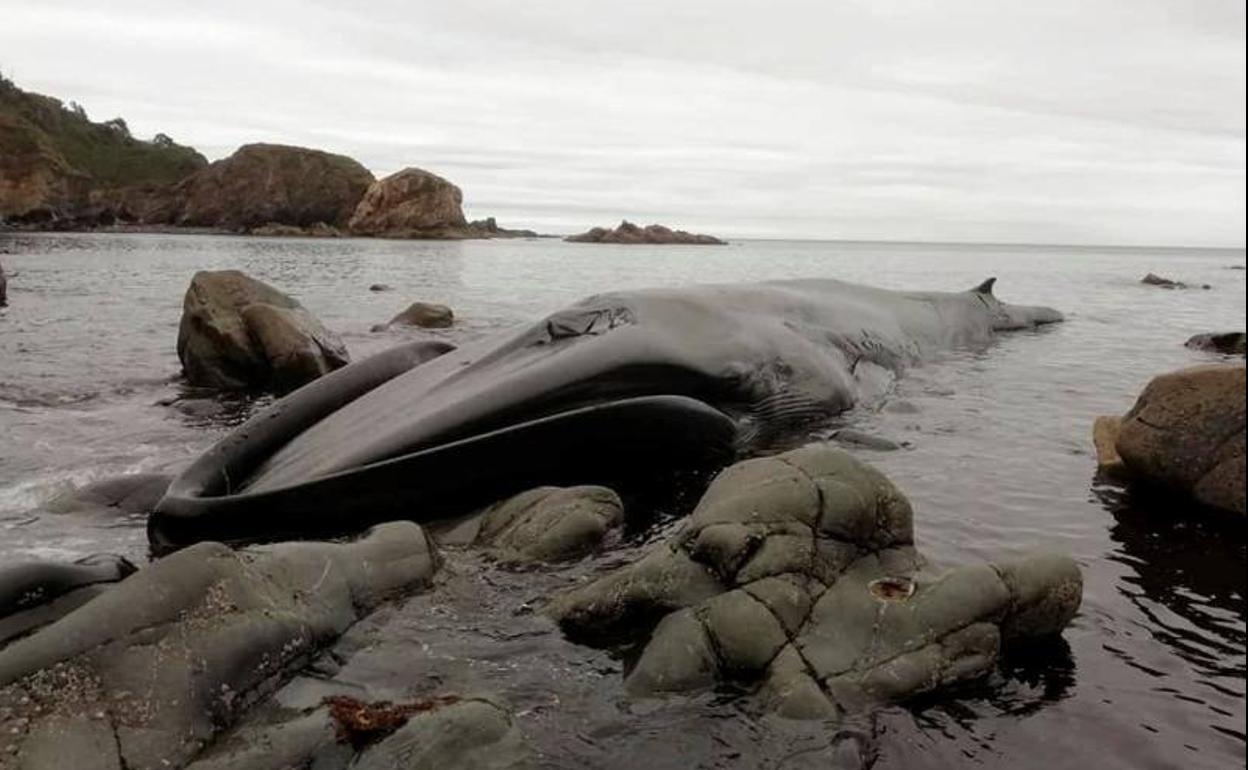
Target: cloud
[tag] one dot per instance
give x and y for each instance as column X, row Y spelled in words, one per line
column 1113, row 121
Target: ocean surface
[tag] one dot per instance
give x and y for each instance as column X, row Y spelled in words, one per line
column 998, row 459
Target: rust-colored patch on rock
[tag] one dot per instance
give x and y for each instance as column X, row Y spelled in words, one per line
column 361, row 724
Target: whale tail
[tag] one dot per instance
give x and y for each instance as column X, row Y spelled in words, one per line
column 985, row 287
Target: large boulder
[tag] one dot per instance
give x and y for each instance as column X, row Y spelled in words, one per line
column 1186, row 433
column 263, row 184
column 800, row 569
column 239, row 333
column 411, row 203
column 144, row 675
column 629, row 233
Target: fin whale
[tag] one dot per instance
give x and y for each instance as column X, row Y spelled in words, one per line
column 641, row 380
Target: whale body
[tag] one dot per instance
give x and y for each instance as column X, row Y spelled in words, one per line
column 634, row 380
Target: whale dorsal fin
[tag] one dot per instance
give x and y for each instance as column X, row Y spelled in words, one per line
column 985, row 287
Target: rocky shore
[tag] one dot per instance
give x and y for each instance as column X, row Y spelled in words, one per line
column 61, row 171
column 796, row 577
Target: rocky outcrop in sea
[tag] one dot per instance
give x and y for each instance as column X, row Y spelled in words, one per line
column 629, row 233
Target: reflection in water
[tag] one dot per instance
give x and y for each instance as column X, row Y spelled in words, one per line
column 1189, row 561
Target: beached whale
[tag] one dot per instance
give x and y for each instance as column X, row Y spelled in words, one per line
column 619, row 383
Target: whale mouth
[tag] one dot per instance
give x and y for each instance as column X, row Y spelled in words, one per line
column 620, row 439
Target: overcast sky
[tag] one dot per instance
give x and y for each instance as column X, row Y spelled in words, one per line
column 1065, row 121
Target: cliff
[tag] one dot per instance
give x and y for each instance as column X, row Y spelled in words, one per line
column 264, row 184
column 58, row 167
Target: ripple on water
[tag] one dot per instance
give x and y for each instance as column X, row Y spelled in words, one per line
column 1150, row 675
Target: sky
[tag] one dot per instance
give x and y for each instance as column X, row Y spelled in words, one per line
column 1070, row 121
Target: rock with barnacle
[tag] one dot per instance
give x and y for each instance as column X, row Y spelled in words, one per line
column 800, row 570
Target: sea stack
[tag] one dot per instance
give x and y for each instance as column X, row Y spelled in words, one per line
column 412, row 203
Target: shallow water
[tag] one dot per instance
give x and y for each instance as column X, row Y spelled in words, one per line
column 1151, row 674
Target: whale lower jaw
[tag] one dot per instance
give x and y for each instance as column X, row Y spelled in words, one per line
column 598, row 443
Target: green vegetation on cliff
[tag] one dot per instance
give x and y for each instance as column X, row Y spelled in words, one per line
column 55, row 162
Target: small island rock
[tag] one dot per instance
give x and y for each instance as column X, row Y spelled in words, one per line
column 630, row 233
column 1152, row 279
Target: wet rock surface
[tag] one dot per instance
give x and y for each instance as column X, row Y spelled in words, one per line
column 1226, row 343
column 150, row 671
column 239, row 333
column 1152, row 279
column 424, row 315
column 1186, row 433
column 550, row 524
column 800, row 571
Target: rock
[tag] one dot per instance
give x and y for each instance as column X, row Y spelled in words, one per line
column 550, row 524
column 630, row 233
column 1186, row 432
column 410, row 203
column 268, row 184
column 37, row 593
column 277, row 230
column 134, row 493
column 1105, row 438
column 239, row 333
column 477, row 734
column 174, row 654
column 1153, row 279
column 426, row 315
column 61, row 170
column 488, row 228
column 801, row 569
column 1226, row 343
column 861, row 440
column 441, row 733
column 4, row 288
column 381, row 287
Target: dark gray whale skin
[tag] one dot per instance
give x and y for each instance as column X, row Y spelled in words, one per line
column 640, row 380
